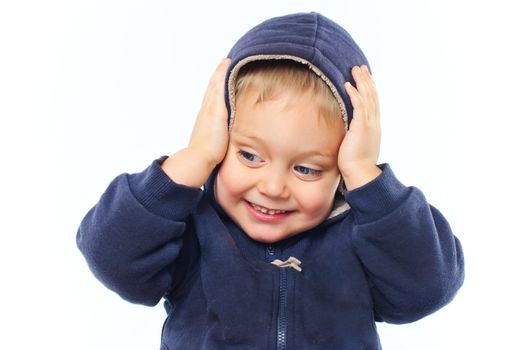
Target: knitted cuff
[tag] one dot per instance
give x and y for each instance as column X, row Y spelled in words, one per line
column 377, row 198
column 156, row 191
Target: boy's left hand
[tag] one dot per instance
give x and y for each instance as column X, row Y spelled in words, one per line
column 359, row 151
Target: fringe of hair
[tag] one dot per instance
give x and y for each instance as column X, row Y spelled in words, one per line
column 270, row 77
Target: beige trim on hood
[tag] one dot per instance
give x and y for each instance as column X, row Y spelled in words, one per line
column 235, row 70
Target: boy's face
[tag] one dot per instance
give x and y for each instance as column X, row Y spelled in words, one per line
column 282, row 156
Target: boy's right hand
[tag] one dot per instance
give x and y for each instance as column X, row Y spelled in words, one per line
column 210, row 137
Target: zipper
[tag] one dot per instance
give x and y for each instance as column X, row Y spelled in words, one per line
column 281, row 324
column 282, row 312
column 270, row 253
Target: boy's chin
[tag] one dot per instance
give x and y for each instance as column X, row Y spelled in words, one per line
column 267, row 237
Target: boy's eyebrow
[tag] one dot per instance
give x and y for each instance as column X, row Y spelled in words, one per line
column 308, row 153
column 252, row 137
column 243, row 136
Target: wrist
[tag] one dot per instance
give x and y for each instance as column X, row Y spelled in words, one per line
column 378, row 198
column 358, row 175
column 187, row 167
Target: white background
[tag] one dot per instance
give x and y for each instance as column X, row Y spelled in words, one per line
column 91, row 89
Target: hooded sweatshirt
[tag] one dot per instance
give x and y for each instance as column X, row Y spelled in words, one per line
column 386, row 255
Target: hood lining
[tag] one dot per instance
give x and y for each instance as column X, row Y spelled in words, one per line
column 235, row 70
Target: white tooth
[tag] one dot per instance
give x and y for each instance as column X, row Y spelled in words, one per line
column 267, row 211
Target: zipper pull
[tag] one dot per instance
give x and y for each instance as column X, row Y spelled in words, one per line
column 270, row 253
column 291, row 262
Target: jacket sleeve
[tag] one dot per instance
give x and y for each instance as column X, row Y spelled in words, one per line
column 413, row 262
column 136, row 239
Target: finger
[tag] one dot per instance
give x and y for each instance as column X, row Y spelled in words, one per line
column 371, row 82
column 357, row 103
column 350, row 89
column 221, row 69
column 373, row 91
column 368, row 90
column 215, row 87
column 357, row 74
column 355, row 97
column 218, row 77
column 223, row 63
column 363, row 81
column 367, row 79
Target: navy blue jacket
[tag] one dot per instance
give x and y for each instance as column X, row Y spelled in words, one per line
column 389, row 257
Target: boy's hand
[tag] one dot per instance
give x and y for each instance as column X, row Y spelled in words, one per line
column 210, row 137
column 359, row 151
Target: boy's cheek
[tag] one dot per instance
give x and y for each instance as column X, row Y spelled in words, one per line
column 233, row 177
column 315, row 200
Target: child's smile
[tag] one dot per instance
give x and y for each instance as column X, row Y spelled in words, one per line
column 280, row 173
column 266, row 214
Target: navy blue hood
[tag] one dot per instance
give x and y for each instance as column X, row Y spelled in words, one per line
column 310, row 38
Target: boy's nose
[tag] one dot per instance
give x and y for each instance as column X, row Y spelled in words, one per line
column 273, row 185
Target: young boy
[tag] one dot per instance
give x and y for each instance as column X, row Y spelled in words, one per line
column 298, row 239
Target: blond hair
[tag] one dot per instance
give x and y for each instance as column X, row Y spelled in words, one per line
column 269, row 77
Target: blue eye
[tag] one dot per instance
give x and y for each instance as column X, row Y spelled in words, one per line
column 249, row 156
column 307, row 171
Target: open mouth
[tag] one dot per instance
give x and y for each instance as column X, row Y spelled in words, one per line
column 265, row 210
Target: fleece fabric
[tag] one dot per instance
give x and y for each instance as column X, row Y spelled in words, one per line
column 391, row 257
